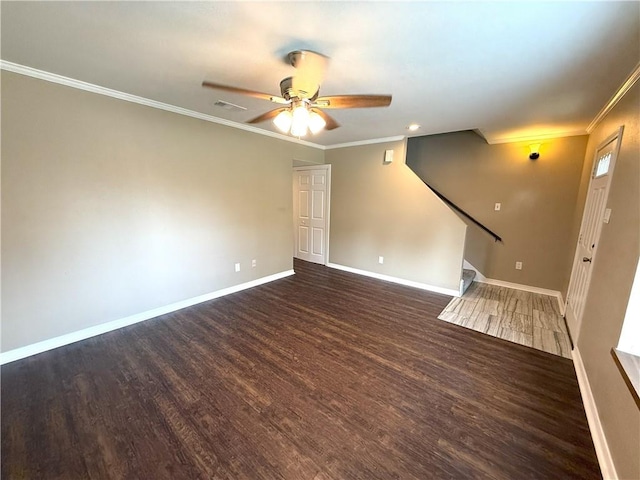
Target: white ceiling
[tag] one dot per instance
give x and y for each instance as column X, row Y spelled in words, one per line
column 509, row 69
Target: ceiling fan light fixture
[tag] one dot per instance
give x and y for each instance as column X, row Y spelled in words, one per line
column 283, row 121
column 316, row 122
column 300, row 122
column 300, row 107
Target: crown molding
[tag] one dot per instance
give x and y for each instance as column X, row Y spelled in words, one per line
column 624, row 88
column 365, row 142
column 90, row 87
column 528, row 138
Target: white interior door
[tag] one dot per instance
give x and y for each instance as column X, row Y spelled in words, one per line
column 311, row 192
column 592, row 219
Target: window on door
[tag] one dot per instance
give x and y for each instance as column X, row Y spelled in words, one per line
column 602, row 167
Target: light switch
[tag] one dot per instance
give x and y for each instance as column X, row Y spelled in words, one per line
column 498, row 206
column 607, row 215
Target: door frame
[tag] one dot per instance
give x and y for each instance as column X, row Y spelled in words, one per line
column 617, row 137
column 320, row 166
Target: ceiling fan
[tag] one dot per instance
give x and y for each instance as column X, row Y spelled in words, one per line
column 301, row 107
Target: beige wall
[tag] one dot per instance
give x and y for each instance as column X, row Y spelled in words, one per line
column 110, row 209
column 537, row 197
column 385, row 210
column 478, row 247
column 612, row 277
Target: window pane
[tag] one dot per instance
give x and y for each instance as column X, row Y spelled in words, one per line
column 603, row 165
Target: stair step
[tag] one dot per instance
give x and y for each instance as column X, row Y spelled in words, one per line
column 467, row 279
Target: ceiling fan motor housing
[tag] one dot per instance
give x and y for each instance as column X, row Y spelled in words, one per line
column 286, row 88
column 288, row 92
column 297, row 57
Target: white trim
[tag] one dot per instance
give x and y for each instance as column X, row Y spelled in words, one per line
column 527, row 288
column 401, row 281
column 365, row 142
column 309, row 163
column 327, row 237
column 605, row 460
column 574, row 322
column 90, row 87
column 624, row 88
column 73, row 83
column 315, row 166
column 561, row 304
column 35, row 348
column 530, row 138
column 520, row 286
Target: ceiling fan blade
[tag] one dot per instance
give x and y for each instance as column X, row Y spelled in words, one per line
column 266, row 116
column 310, row 68
column 244, row 91
column 330, row 121
column 353, row 101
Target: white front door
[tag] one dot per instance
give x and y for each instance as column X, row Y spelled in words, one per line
column 592, row 220
column 311, row 192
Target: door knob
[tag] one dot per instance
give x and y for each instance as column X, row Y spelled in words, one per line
column 586, row 259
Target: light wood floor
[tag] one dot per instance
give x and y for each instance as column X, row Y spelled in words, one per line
column 525, row 318
column 324, row 375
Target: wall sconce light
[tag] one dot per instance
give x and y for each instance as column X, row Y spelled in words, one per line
column 534, row 148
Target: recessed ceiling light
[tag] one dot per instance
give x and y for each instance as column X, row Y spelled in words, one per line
column 413, row 127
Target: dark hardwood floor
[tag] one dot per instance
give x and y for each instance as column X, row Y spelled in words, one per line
column 322, row 375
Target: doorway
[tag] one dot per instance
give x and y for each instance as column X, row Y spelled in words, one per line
column 595, row 214
column 311, row 207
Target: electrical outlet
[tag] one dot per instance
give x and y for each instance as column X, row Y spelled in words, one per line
column 253, row 263
column 237, row 267
column 498, row 207
column 518, row 265
column 380, row 260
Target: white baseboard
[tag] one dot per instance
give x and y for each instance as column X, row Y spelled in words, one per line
column 527, row 288
column 401, row 281
column 50, row 344
column 519, row 286
column 597, row 433
column 561, row 304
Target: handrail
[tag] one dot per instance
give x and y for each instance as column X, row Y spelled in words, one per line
column 495, row 236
